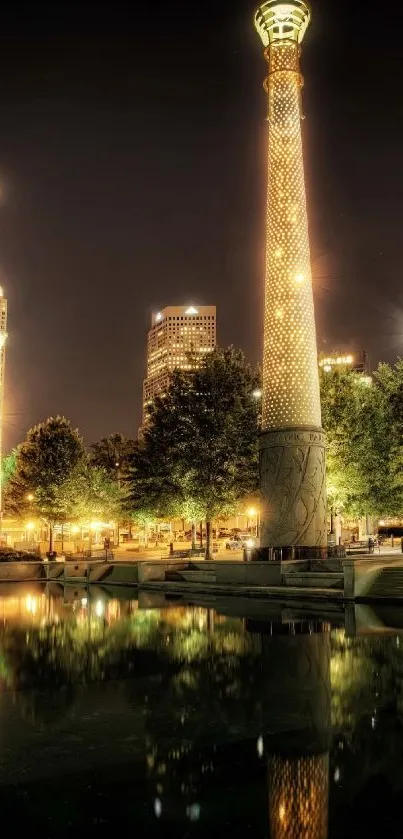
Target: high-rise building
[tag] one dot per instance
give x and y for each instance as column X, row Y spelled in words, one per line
column 292, row 444
column 358, row 361
column 3, row 338
column 179, row 338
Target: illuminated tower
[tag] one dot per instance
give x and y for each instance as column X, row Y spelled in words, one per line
column 3, row 338
column 292, row 445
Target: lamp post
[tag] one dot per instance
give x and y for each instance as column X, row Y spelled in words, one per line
column 118, row 478
column 254, row 514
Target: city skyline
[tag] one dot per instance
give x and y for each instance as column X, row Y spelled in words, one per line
column 103, row 218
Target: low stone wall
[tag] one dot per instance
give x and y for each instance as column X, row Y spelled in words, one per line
column 324, row 579
column 21, row 571
column 351, row 581
column 226, row 572
column 113, row 573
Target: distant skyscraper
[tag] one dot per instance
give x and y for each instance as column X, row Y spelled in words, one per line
column 292, row 444
column 179, row 338
column 3, row 338
column 357, row 361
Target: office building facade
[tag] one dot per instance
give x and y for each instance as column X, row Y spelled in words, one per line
column 179, row 339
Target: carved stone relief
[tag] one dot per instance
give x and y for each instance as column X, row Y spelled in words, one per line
column 293, row 488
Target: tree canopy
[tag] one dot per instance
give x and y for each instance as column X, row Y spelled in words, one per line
column 43, row 463
column 8, row 466
column 54, row 479
column 112, row 454
column 363, row 421
column 199, row 452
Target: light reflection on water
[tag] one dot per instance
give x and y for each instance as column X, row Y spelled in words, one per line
column 200, row 720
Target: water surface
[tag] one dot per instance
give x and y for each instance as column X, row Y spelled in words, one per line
column 190, row 721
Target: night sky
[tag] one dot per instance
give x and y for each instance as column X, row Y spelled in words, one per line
column 133, row 176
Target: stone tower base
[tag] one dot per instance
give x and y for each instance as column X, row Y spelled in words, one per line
column 292, row 463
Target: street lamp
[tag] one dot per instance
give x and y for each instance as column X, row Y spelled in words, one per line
column 253, row 513
column 29, row 527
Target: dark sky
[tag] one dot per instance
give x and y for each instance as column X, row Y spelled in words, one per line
column 132, row 174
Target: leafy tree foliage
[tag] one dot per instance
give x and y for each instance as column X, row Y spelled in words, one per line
column 112, row 454
column 363, row 420
column 89, row 493
column 8, row 465
column 199, row 452
column 44, row 462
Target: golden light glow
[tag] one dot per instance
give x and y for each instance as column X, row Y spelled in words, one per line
column 252, row 512
column 290, row 371
column 30, row 496
column 298, row 797
column 277, row 21
column 332, row 361
column 30, row 525
column 31, row 604
column 100, row 525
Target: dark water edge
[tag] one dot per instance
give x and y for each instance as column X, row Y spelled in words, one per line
column 186, row 721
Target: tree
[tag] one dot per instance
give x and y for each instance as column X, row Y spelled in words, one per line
column 200, row 448
column 112, row 454
column 44, row 462
column 363, row 422
column 89, row 493
column 8, row 466
column 386, row 426
column 342, row 393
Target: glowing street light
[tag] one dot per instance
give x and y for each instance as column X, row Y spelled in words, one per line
column 253, row 513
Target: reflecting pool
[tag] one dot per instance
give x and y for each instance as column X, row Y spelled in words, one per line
column 171, row 719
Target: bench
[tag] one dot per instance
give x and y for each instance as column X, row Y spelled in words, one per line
column 188, row 554
column 361, row 547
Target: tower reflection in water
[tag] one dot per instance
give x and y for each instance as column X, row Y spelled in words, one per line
column 225, row 720
column 298, row 767
column 277, row 708
column 298, row 797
